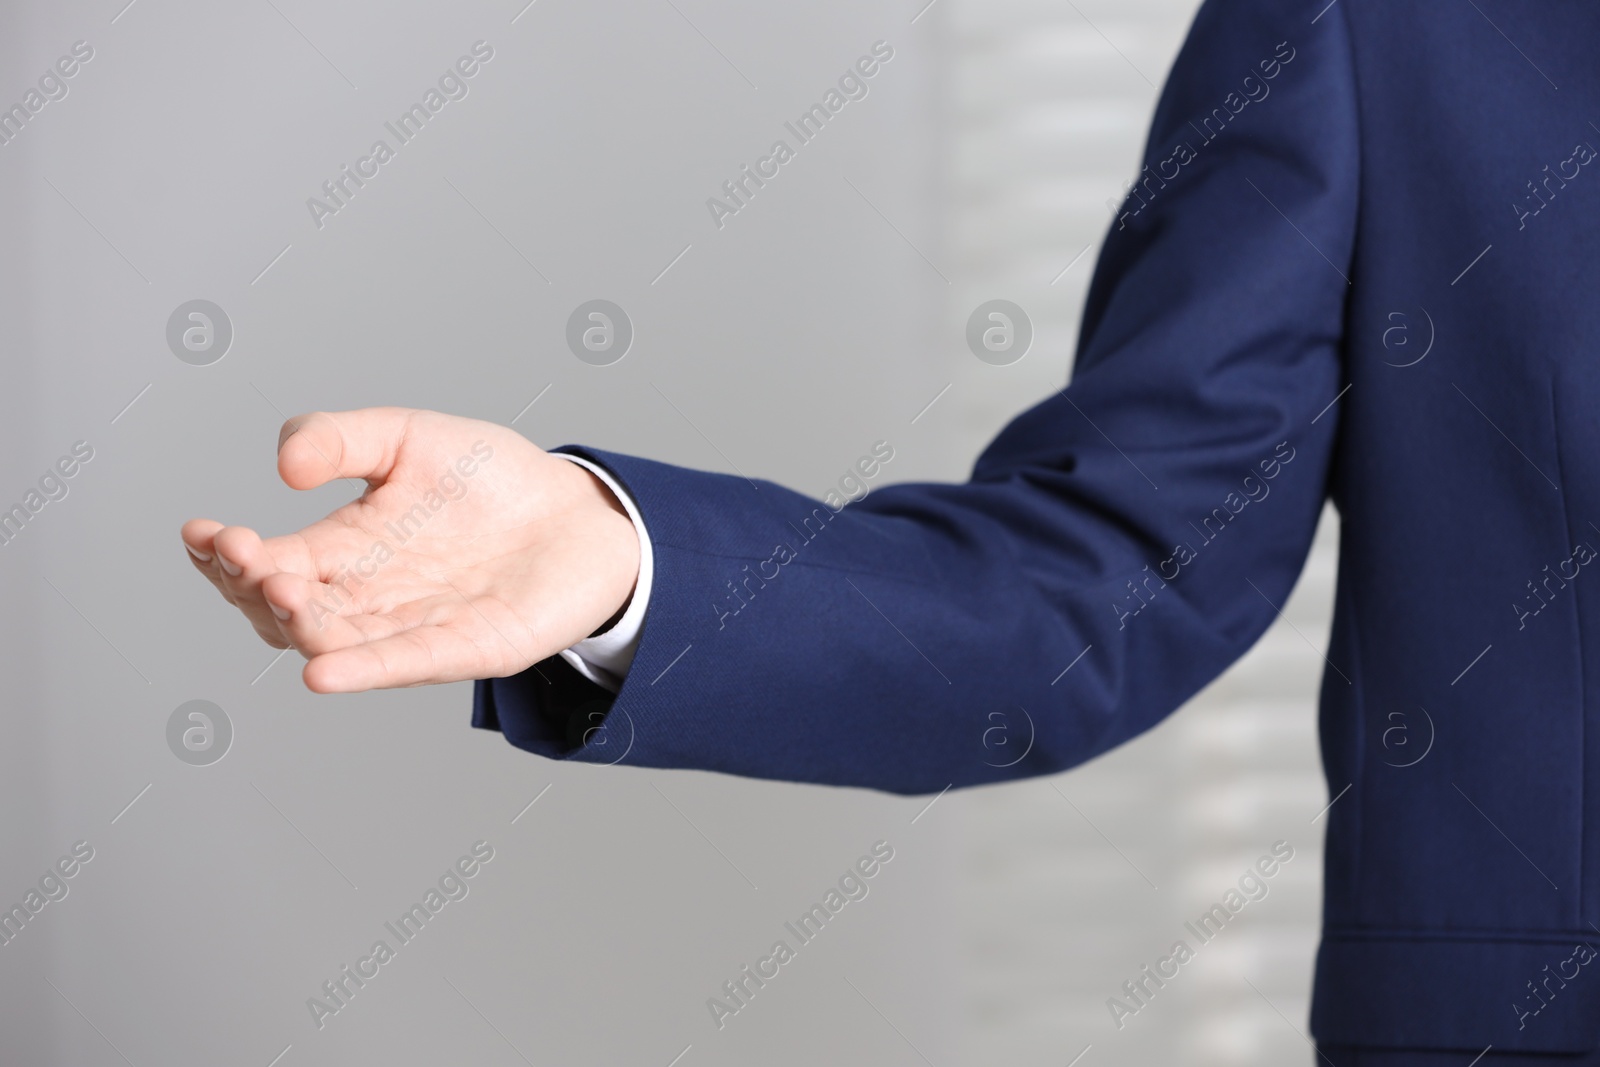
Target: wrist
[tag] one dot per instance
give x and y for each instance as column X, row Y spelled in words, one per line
column 613, row 539
column 605, row 656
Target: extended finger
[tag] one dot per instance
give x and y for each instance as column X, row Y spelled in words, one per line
column 244, row 563
column 317, row 618
column 198, row 539
column 423, row 655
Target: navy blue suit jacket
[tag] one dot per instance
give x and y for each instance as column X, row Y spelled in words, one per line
column 1360, row 264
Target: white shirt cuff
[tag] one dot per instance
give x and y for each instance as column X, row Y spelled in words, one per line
column 604, row 659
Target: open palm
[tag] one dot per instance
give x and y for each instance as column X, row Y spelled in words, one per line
column 472, row 554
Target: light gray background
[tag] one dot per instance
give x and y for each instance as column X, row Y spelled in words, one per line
column 825, row 316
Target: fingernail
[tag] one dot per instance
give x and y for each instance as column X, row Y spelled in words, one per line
column 233, row 569
column 288, row 430
column 203, row 557
column 281, row 613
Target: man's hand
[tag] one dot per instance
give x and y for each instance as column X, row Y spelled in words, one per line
column 472, row 553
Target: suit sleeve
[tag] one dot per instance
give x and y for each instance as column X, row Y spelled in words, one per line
column 1117, row 546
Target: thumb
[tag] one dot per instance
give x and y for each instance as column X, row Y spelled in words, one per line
column 317, row 448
